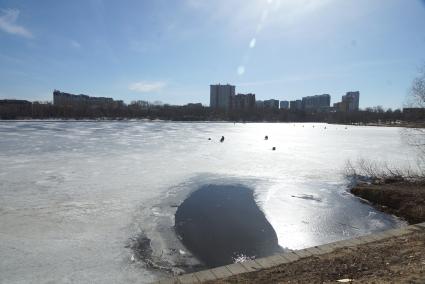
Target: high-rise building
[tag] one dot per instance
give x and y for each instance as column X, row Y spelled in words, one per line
column 15, row 108
column 352, row 100
column 315, row 103
column 284, row 104
column 70, row 100
column 243, row 101
column 349, row 102
column 274, row 104
column 340, row 106
column 221, row 96
column 295, row 105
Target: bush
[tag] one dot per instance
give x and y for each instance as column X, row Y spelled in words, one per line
column 381, row 172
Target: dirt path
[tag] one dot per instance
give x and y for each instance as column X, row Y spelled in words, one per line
column 395, row 260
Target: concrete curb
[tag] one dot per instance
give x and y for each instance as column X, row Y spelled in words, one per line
column 287, row 257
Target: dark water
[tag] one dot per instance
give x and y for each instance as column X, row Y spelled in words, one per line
column 220, row 224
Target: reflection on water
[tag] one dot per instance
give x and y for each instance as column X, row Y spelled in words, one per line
column 222, row 223
column 317, row 212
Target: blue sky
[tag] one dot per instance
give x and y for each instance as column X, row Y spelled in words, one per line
column 172, row 50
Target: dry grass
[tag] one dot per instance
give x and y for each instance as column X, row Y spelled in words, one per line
column 376, row 262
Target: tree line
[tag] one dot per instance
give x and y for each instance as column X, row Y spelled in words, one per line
column 137, row 110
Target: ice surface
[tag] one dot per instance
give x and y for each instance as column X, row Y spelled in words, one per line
column 72, row 194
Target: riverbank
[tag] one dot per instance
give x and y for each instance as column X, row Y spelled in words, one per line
column 405, row 199
column 368, row 259
column 376, row 262
column 405, row 124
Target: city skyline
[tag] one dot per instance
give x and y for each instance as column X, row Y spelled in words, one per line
column 223, row 97
column 170, row 50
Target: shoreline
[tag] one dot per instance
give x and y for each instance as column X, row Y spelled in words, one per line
column 371, row 258
column 405, row 199
column 401, row 125
column 367, row 259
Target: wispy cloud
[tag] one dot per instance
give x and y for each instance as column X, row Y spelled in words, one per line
column 8, row 23
column 146, row 87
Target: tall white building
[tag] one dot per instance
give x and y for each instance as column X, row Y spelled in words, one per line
column 221, row 96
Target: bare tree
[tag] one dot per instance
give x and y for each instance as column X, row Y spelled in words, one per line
column 417, row 92
column 416, row 99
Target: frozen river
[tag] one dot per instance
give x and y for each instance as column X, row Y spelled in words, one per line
column 74, row 194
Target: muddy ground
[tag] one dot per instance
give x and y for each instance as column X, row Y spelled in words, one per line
column 401, row 198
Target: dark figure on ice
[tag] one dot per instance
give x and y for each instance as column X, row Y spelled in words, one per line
column 222, row 139
column 266, row 137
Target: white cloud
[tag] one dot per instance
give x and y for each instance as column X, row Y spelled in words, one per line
column 7, row 23
column 145, row 87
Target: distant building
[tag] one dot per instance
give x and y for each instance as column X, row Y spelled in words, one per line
column 259, row 104
column 284, row 104
column 352, row 99
column 194, row 105
column 243, row 101
column 316, row 103
column 340, row 106
column 70, row 100
column 273, row 104
column 15, row 108
column 15, row 102
column 140, row 104
column 414, row 114
column 118, row 103
column 349, row 102
column 295, row 105
column 221, row 96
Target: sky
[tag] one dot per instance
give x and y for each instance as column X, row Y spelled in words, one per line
column 172, row 50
